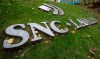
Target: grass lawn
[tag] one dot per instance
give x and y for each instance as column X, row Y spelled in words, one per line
column 69, row 46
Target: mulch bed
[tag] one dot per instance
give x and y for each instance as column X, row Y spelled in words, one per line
column 95, row 6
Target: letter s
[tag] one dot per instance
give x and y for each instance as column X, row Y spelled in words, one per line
column 21, row 33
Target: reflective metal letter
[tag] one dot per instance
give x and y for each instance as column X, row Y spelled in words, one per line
column 47, row 7
column 52, row 25
column 21, row 33
column 77, row 26
column 41, row 28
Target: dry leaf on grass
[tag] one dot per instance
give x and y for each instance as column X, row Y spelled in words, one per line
column 47, row 41
column 11, row 40
column 73, row 31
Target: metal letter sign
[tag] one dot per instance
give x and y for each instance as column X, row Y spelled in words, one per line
column 52, row 25
column 41, row 28
column 21, row 33
column 25, row 35
column 84, row 22
column 48, row 7
column 47, row 30
column 45, row 8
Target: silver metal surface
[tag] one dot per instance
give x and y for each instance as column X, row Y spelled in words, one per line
column 41, row 28
column 45, row 8
column 84, row 22
column 53, row 26
column 14, row 32
column 77, row 26
column 68, row 24
column 36, row 38
column 88, row 21
column 59, row 9
column 56, row 11
column 92, row 21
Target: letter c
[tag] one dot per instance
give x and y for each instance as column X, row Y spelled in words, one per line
column 52, row 25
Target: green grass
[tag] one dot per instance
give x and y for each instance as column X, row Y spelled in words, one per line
column 69, row 46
